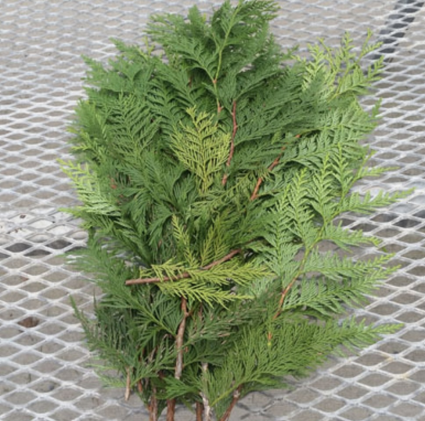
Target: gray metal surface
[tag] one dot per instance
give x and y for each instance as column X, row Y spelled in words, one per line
column 43, row 361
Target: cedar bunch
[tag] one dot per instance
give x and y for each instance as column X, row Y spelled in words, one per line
column 210, row 175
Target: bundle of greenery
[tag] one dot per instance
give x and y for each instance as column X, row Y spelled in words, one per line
column 211, row 167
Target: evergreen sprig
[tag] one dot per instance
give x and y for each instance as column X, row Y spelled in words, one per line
column 210, row 178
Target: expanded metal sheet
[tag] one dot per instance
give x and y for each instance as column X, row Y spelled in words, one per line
column 44, row 373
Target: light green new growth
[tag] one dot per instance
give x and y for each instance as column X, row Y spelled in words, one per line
column 211, row 178
column 201, row 149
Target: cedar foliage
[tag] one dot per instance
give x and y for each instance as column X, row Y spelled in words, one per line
column 209, row 177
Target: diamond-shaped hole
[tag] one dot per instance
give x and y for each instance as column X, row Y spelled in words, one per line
column 9, row 332
column 407, row 223
column 387, row 233
column 357, row 414
column 417, row 254
column 393, row 347
column 16, row 263
column 410, row 317
column 39, row 238
column 414, row 335
column 349, row 371
column 405, row 299
column 401, row 281
column 59, row 244
column 21, row 397
column 397, row 367
column 13, row 297
column 371, row 359
column 17, row 247
column 417, row 270
column 379, row 401
column 26, row 358
column 420, row 214
column 330, row 405
column 41, row 223
column 416, row 356
column 60, row 229
column 391, row 248
column 384, row 309
column 66, row 394
column 352, row 392
column 38, row 253
column 42, row 406
column 375, row 380
column 34, row 286
column 407, row 410
column 365, row 227
column 403, row 388
column 412, row 238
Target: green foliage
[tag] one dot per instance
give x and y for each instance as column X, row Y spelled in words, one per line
column 201, row 150
column 211, row 179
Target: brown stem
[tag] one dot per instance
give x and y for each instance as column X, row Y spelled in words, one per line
column 153, row 404
column 128, row 385
column 171, row 403
column 205, row 401
column 171, row 409
column 236, row 396
column 260, row 179
column 235, row 129
column 179, row 340
column 282, row 299
column 156, row 280
column 139, row 382
column 199, row 411
column 223, row 259
column 153, row 407
column 232, row 142
column 279, row 307
column 286, row 290
column 257, row 187
column 182, row 275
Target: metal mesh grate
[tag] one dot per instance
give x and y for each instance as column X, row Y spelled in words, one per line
column 43, row 361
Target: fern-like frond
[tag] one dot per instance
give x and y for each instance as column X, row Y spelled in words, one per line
column 334, row 267
column 323, row 298
column 368, row 203
column 201, row 148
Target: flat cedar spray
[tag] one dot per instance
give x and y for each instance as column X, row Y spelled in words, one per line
column 211, row 167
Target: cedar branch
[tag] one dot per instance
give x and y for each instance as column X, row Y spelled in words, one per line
column 184, row 275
